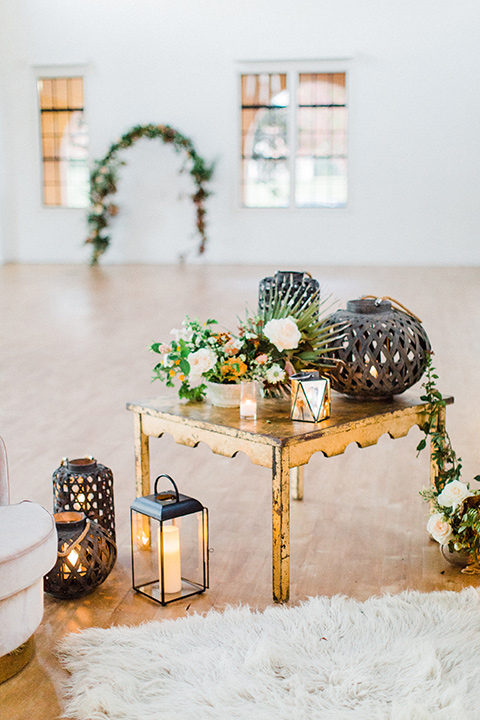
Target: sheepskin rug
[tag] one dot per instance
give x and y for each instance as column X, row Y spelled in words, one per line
column 411, row 656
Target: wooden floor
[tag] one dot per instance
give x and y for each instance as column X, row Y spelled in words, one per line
column 74, row 350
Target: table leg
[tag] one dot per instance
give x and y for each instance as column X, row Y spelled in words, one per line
column 441, row 420
column 142, row 458
column 142, row 480
column 296, row 481
column 281, row 524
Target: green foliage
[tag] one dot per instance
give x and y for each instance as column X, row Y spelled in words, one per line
column 463, row 518
column 104, row 181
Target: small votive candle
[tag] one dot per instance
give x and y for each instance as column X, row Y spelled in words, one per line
column 248, row 400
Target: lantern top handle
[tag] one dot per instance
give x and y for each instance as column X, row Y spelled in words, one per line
column 155, row 487
column 394, row 302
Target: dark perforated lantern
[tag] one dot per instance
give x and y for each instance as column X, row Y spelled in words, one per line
column 86, row 556
column 296, row 288
column 84, row 485
column 383, row 352
column 169, row 545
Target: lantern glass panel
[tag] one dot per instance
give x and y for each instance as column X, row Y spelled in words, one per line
column 170, row 557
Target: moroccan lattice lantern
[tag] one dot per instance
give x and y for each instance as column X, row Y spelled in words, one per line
column 169, row 545
column 383, row 351
column 84, row 485
column 86, row 556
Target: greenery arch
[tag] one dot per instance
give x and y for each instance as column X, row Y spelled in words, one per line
column 104, row 179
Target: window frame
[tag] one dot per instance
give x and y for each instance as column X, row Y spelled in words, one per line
column 56, row 71
column 292, row 69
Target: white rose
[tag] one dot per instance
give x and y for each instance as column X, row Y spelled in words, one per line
column 439, row 529
column 283, row 333
column 275, row 374
column 453, row 494
column 200, row 361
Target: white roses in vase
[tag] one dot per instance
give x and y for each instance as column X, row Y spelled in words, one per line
column 439, row 528
column 200, row 361
column 453, row 494
column 283, row 333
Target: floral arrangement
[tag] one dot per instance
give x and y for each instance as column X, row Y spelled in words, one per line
column 104, row 180
column 201, row 352
column 455, row 508
column 268, row 349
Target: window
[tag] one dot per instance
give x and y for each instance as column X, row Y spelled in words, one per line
column 294, row 139
column 64, row 140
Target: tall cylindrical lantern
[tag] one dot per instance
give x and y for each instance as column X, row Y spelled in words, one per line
column 298, row 289
column 84, row 485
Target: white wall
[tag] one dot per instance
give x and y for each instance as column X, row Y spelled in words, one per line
column 415, row 111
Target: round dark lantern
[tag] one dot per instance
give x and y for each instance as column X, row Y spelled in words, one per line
column 86, row 555
column 83, row 485
column 383, row 352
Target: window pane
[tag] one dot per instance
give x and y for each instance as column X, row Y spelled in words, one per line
column 321, row 182
column 64, row 142
column 265, row 173
column 321, row 161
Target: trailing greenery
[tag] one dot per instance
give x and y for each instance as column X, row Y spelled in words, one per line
column 455, row 508
column 104, row 181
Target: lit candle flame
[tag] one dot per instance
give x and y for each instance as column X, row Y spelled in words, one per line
column 373, row 372
column 73, row 557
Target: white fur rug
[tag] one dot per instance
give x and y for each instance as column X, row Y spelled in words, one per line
column 411, row 656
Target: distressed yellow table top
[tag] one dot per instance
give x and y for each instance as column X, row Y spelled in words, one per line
column 351, row 420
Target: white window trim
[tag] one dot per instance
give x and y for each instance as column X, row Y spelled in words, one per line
column 291, row 68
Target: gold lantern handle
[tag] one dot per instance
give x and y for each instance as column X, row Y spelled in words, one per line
column 394, row 302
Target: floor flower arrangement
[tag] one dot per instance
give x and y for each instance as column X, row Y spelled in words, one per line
column 454, row 521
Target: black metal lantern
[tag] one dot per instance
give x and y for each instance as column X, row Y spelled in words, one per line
column 86, row 555
column 83, row 485
column 298, row 289
column 383, row 352
column 169, row 545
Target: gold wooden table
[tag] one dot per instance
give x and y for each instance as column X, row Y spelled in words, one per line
column 274, row 441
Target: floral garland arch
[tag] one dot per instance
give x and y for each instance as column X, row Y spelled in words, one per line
column 104, row 179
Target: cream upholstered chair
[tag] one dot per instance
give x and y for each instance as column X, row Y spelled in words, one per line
column 28, row 550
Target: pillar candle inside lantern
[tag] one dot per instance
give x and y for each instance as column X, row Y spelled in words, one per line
column 171, row 559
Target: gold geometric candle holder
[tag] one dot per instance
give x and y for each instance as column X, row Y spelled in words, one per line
column 310, row 399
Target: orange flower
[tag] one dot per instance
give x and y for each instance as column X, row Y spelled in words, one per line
column 171, row 372
column 233, row 368
column 181, row 377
